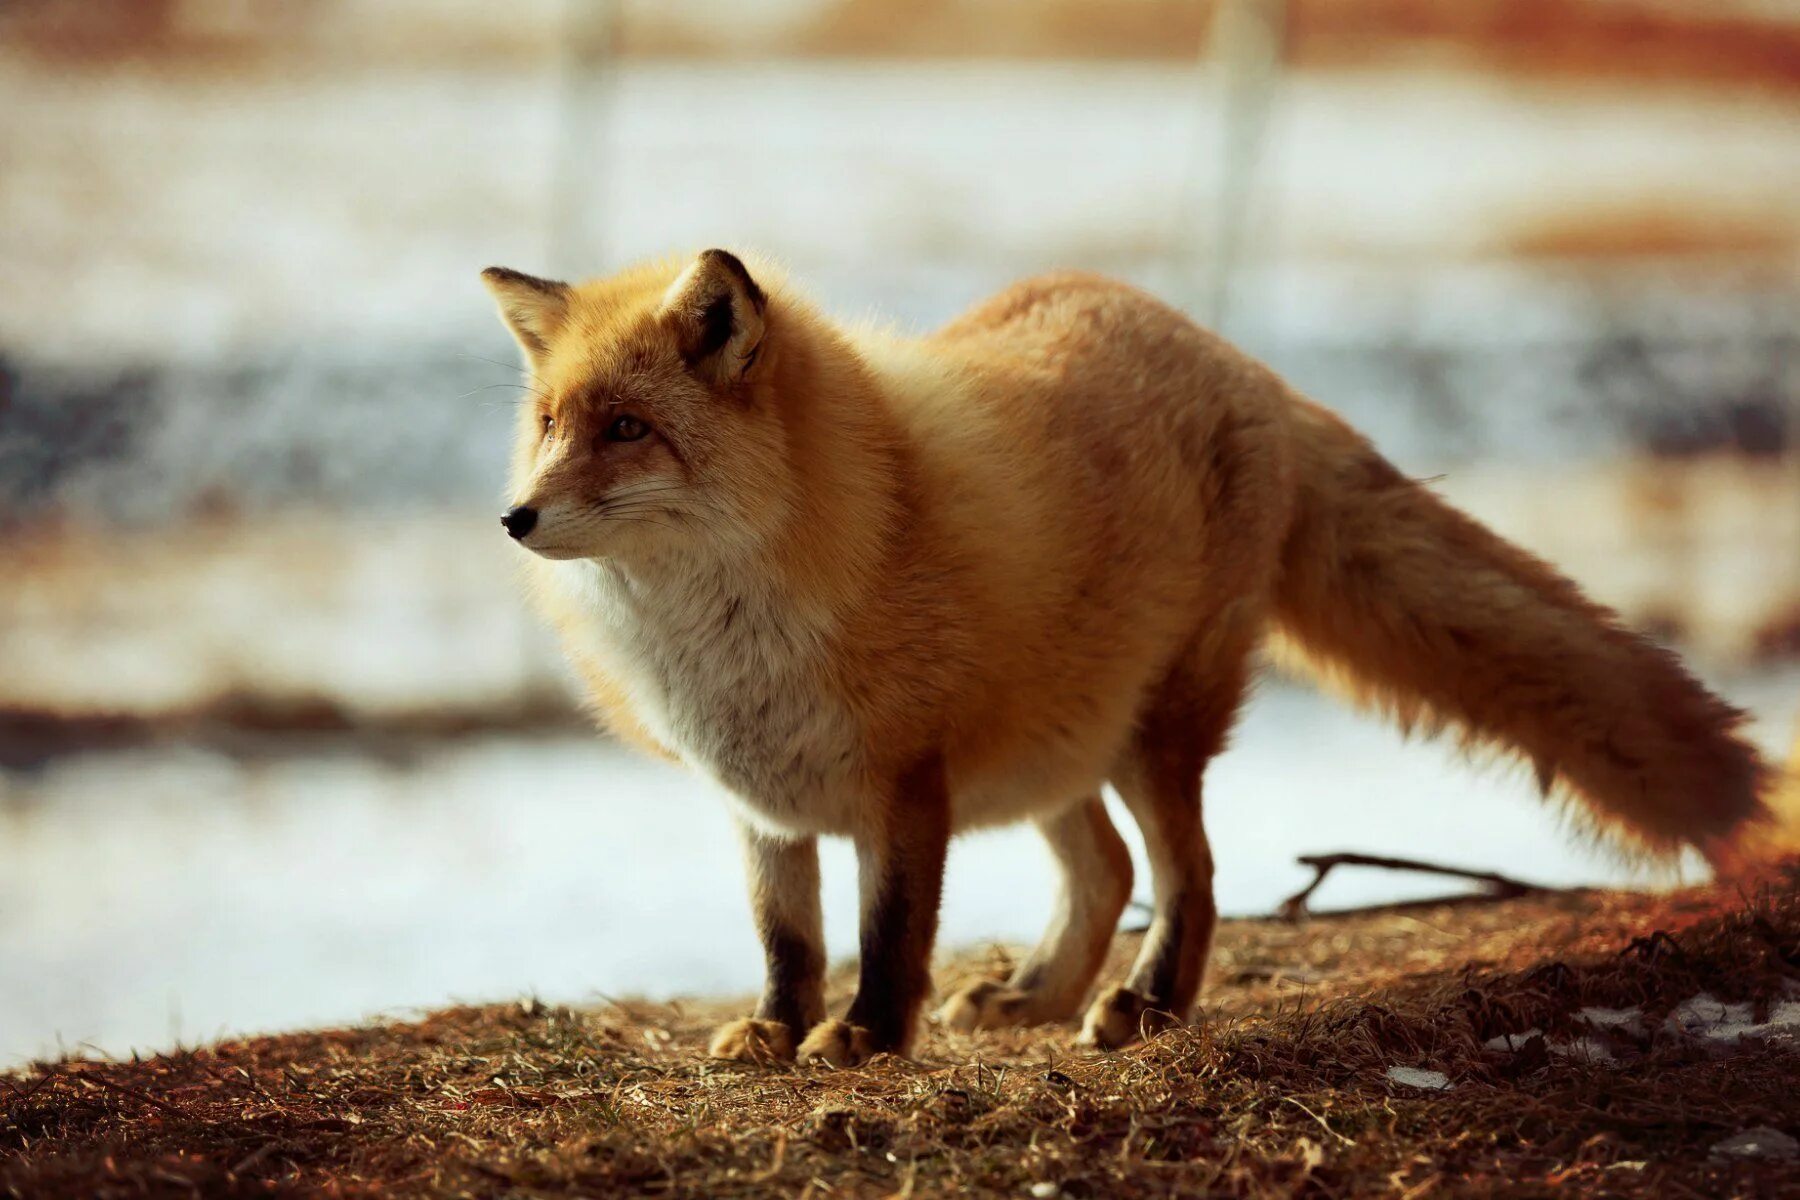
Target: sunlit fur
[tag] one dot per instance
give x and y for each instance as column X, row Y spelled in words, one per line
column 1038, row 544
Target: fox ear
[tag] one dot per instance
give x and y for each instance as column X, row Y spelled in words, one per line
column 532, row 308
column 716, row 312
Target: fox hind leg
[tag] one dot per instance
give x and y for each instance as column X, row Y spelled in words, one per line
column 1051, row 983
column 1159, row 780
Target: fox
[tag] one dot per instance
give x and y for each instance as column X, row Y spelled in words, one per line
column 892, row 588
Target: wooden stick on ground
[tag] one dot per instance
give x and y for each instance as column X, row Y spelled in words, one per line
column 1499, row 887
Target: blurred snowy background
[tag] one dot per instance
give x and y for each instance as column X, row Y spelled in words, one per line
column 279, row 745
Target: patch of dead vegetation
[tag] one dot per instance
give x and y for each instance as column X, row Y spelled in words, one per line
column 1284, row 1090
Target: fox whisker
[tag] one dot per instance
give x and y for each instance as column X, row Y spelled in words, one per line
column 494, row 361
column 491, row 386
column 647, row 510
column 661, row 487
column 642, row 520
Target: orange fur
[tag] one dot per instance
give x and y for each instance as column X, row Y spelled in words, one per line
column 1416, row 609
column 1030, row 549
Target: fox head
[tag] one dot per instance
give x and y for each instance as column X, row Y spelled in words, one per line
column 649, row 426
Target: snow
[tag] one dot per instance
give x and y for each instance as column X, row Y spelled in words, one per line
column 1628, row 1021
column 181, row 891
column 1760, row 1142
column 1705, row 1017
column 1701, row 1017
column 1419, row 1077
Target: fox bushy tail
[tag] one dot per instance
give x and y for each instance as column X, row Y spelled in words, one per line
column 1419, row 611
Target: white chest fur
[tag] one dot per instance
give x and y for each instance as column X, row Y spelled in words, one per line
column 726, row 677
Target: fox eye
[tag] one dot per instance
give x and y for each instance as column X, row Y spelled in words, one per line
column 549, row 423
column 626, row 429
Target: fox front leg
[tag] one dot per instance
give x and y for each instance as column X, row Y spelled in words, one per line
column 900, row 875
column 784, row 898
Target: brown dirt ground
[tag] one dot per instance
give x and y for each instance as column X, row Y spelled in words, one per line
column 1282, row 1090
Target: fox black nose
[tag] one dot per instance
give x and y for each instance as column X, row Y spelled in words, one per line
column 519, row 520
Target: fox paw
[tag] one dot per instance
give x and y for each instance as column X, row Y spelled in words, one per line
column 986, row 1004
column 750, row 1039
column 837, row 1044
column 1120, row 1016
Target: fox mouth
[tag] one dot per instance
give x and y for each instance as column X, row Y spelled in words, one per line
column 559, row 553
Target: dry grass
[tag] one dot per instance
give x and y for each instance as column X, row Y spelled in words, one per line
column 1283, row 1091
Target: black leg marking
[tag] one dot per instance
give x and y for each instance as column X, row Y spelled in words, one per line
column 784, row 896
column 1158, row 979
column 793, row 993
column 902, row 883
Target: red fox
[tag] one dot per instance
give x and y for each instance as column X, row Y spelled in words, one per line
column 894, row 588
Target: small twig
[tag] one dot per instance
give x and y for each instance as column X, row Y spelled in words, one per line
column 20, row 1095
column 1499, row 887
column 1321, row 1120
